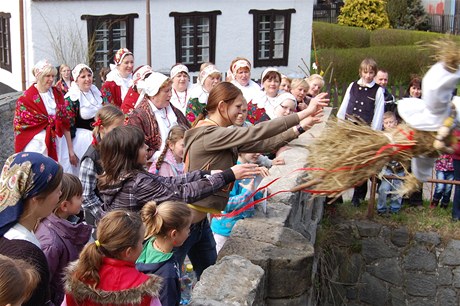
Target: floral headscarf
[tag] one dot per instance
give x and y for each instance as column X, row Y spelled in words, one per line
column 24, row 175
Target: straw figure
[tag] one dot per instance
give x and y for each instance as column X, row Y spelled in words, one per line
column 349, row 152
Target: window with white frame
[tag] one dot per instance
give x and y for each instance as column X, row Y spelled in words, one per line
column 195, row 38
column 107, row 34
column 5, row 41
column 271, row 33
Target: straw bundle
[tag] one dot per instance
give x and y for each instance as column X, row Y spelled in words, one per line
column 347, row 153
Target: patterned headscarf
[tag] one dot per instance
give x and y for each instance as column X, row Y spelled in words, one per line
column 24, row 175
column 120, row 55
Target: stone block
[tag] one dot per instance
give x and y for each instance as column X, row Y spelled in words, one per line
column 400, row 236
column 451, row 254
column 295, row 301
column 305, row 216
column 234, row 280
column 350, row 269
column 373, row 290
column 419, row 284
column 387, row 269
column 277, row 213
column 368, row 229
column 419, row 301
column 456, row 277
column 420, row 259
column 444, row 276
column 376, row 248
column 397, row 296
column 447, row 297
column 283, row 253
column 429, row 238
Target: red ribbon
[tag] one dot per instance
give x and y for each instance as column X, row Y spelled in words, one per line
column 395, row 147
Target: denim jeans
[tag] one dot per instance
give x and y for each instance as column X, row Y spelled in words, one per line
column 443, row 191
column 386, row 186
column 199, row 246
column 456, row 206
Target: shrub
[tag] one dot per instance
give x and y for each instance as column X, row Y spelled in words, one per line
column 368, row 14
column 396, row 10
column 394, row 37
column 329, row 35
column 400, row 61
column 415, row 17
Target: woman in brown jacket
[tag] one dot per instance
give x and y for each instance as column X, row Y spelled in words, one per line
column 211, row 145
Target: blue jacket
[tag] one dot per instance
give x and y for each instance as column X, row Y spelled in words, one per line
column 169, row 271
column 224, row 225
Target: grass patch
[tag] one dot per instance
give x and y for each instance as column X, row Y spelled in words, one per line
column 416, row 220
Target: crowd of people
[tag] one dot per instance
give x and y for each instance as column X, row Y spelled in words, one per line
column 110, row 189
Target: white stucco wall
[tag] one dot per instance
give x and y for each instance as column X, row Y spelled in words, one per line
column 234, row 30
column 13, row 78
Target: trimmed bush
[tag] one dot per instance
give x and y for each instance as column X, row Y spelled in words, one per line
column 368, row 14
column 394, row 37
column 329, row 35
column 400, row 61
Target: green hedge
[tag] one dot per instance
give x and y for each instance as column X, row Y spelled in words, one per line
column 400, row 61
column 395, row 37
column 329, row 35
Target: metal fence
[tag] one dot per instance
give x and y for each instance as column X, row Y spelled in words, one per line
column 327, row 12
column 439, row 23
column 445, row 23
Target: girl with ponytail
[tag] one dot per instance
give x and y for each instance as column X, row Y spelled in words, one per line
column 167, row 226
column 105, row 273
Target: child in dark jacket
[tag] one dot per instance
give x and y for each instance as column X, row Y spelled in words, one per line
column 61, row 237
column 167, row 226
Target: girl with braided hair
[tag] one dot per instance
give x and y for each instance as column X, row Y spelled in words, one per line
column 170, row 161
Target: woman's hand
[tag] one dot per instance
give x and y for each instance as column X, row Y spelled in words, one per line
column 73, row 158
column 310, row 121
column 263, row 171
column 316, row 103
column 243, row 171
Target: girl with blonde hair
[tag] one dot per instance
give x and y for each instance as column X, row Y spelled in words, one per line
column 105, row 273
column 167, row 226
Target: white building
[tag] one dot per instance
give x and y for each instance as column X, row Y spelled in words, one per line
column 267, row 32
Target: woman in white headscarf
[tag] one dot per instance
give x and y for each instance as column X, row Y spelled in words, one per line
column 154, row 114
column 209, row 77
column 83, row 100
column 180, row 86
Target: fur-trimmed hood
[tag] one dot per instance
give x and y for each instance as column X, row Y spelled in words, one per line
column 135, row 295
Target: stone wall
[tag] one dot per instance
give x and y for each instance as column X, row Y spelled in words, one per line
column 7, row 107
column 378, row 265
column 269, row 259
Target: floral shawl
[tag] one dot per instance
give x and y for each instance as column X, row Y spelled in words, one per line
column 31, row 118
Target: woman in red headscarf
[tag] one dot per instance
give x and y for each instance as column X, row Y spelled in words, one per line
column 119, row 78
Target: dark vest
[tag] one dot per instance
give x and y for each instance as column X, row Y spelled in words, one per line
column 362, row 102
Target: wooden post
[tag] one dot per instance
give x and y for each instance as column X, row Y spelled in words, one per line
column 371, row 203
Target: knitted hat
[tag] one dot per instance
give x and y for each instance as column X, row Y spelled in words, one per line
column 24, row 176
